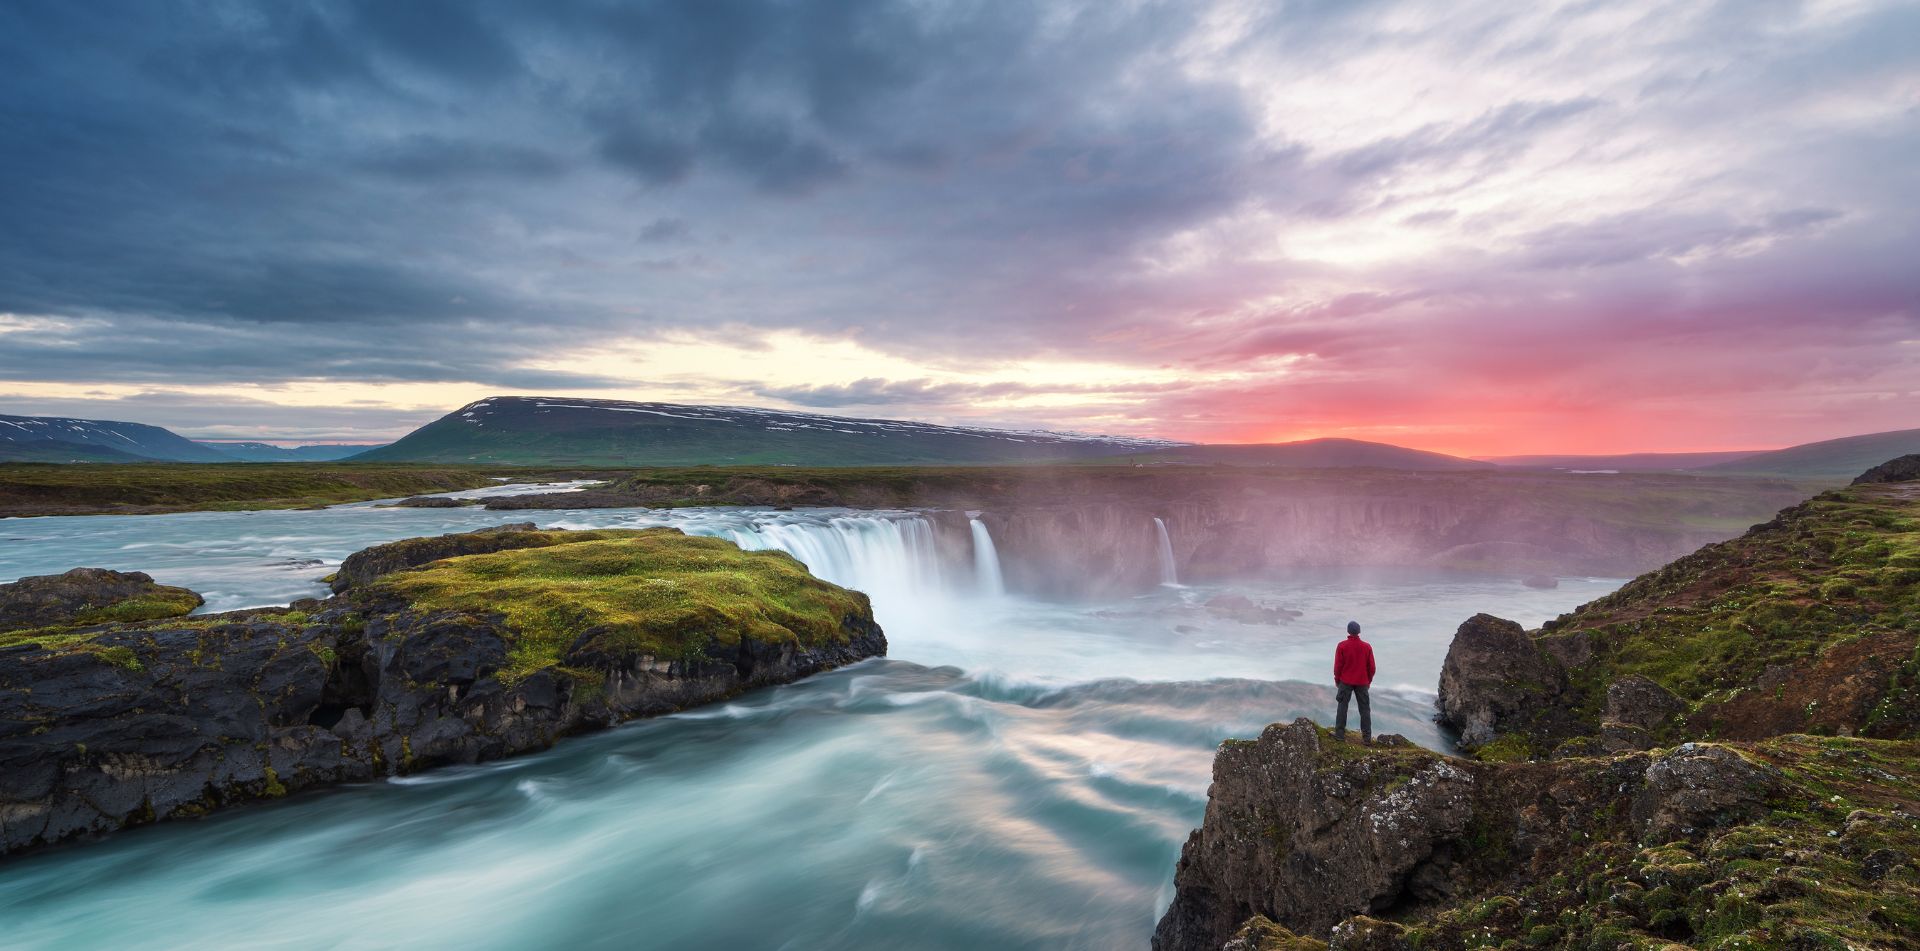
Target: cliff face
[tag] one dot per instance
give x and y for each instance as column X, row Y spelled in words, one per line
column 109, row 726
column 1642, row 774
column 1798, row 842
column 1089, row 531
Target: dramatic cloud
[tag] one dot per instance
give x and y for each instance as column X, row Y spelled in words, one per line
column 1556, row 226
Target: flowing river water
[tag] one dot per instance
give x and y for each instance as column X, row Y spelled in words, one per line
column 1015, row 774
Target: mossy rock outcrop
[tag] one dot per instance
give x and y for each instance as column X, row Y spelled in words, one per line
column 87, row 596
column 1807, row 623
column 1797, row 841
column 1724, row 753
column 500, row 643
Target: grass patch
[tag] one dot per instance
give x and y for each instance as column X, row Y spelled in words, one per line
column 164, row 601
column 44, row 489
column 651, row 592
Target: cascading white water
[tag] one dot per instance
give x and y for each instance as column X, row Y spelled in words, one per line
column 986, row 561
column 1168, row 574
column 892, row 559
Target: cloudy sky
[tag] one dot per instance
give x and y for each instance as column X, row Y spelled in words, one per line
column 1478, row 228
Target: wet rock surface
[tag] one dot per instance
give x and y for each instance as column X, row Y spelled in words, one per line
column 435, row 502
column 146, row 722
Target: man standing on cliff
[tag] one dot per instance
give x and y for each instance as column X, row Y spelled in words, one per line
column 1352, row 674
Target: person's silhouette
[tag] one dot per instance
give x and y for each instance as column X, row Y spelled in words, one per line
column 1352, row 675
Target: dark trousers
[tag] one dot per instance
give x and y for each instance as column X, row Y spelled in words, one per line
column 1358, row 692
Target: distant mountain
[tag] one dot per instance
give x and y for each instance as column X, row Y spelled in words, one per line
column 1310, row 454
column 535, row 430
column 133, row 439
column 267, row 452
column 48, row 450
column 1837, row 459
column 1629, row 462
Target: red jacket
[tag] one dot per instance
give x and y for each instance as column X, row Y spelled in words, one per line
column 1353, row 662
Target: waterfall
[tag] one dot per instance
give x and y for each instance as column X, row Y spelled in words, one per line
column 890, row 558
column 1168, row 575
column 986, row 561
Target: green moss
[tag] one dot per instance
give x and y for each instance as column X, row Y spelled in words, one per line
column 1832, row 867
column 652, row 592
column 1820, row 577
column 1261, row 934
column 153, row 602
column 161, row 601
column 274, row 787
column 1507, row 748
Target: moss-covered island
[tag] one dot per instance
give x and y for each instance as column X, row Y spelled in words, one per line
column 117, row 710
column 1723, row 754
column 653, row 592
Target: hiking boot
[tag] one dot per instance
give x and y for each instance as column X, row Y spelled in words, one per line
column 1366, row 741
column 1339, row 736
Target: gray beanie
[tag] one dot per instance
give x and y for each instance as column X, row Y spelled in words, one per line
column 1353, row 627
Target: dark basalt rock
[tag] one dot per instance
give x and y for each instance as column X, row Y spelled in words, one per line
column 1640, row 702
column 1307, row 837
column 1900, row 469
column 370, row 563
column 170, row 719
column 1696, row 787
column 435, row 502
column 205, row 715
column 1493, row 676
column 87, row 596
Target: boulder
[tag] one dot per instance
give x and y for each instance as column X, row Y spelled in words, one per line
column 1493, row 677
column 1543, row 582
column 1698, row 786
column 1640, row 702
column 89, row 596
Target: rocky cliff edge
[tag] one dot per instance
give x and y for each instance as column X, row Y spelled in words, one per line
column 448, row 650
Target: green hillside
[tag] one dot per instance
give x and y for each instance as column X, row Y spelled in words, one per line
column 1835, row 460
column 518, row 430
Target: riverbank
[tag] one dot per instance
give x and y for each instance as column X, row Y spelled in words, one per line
column 28, row 489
